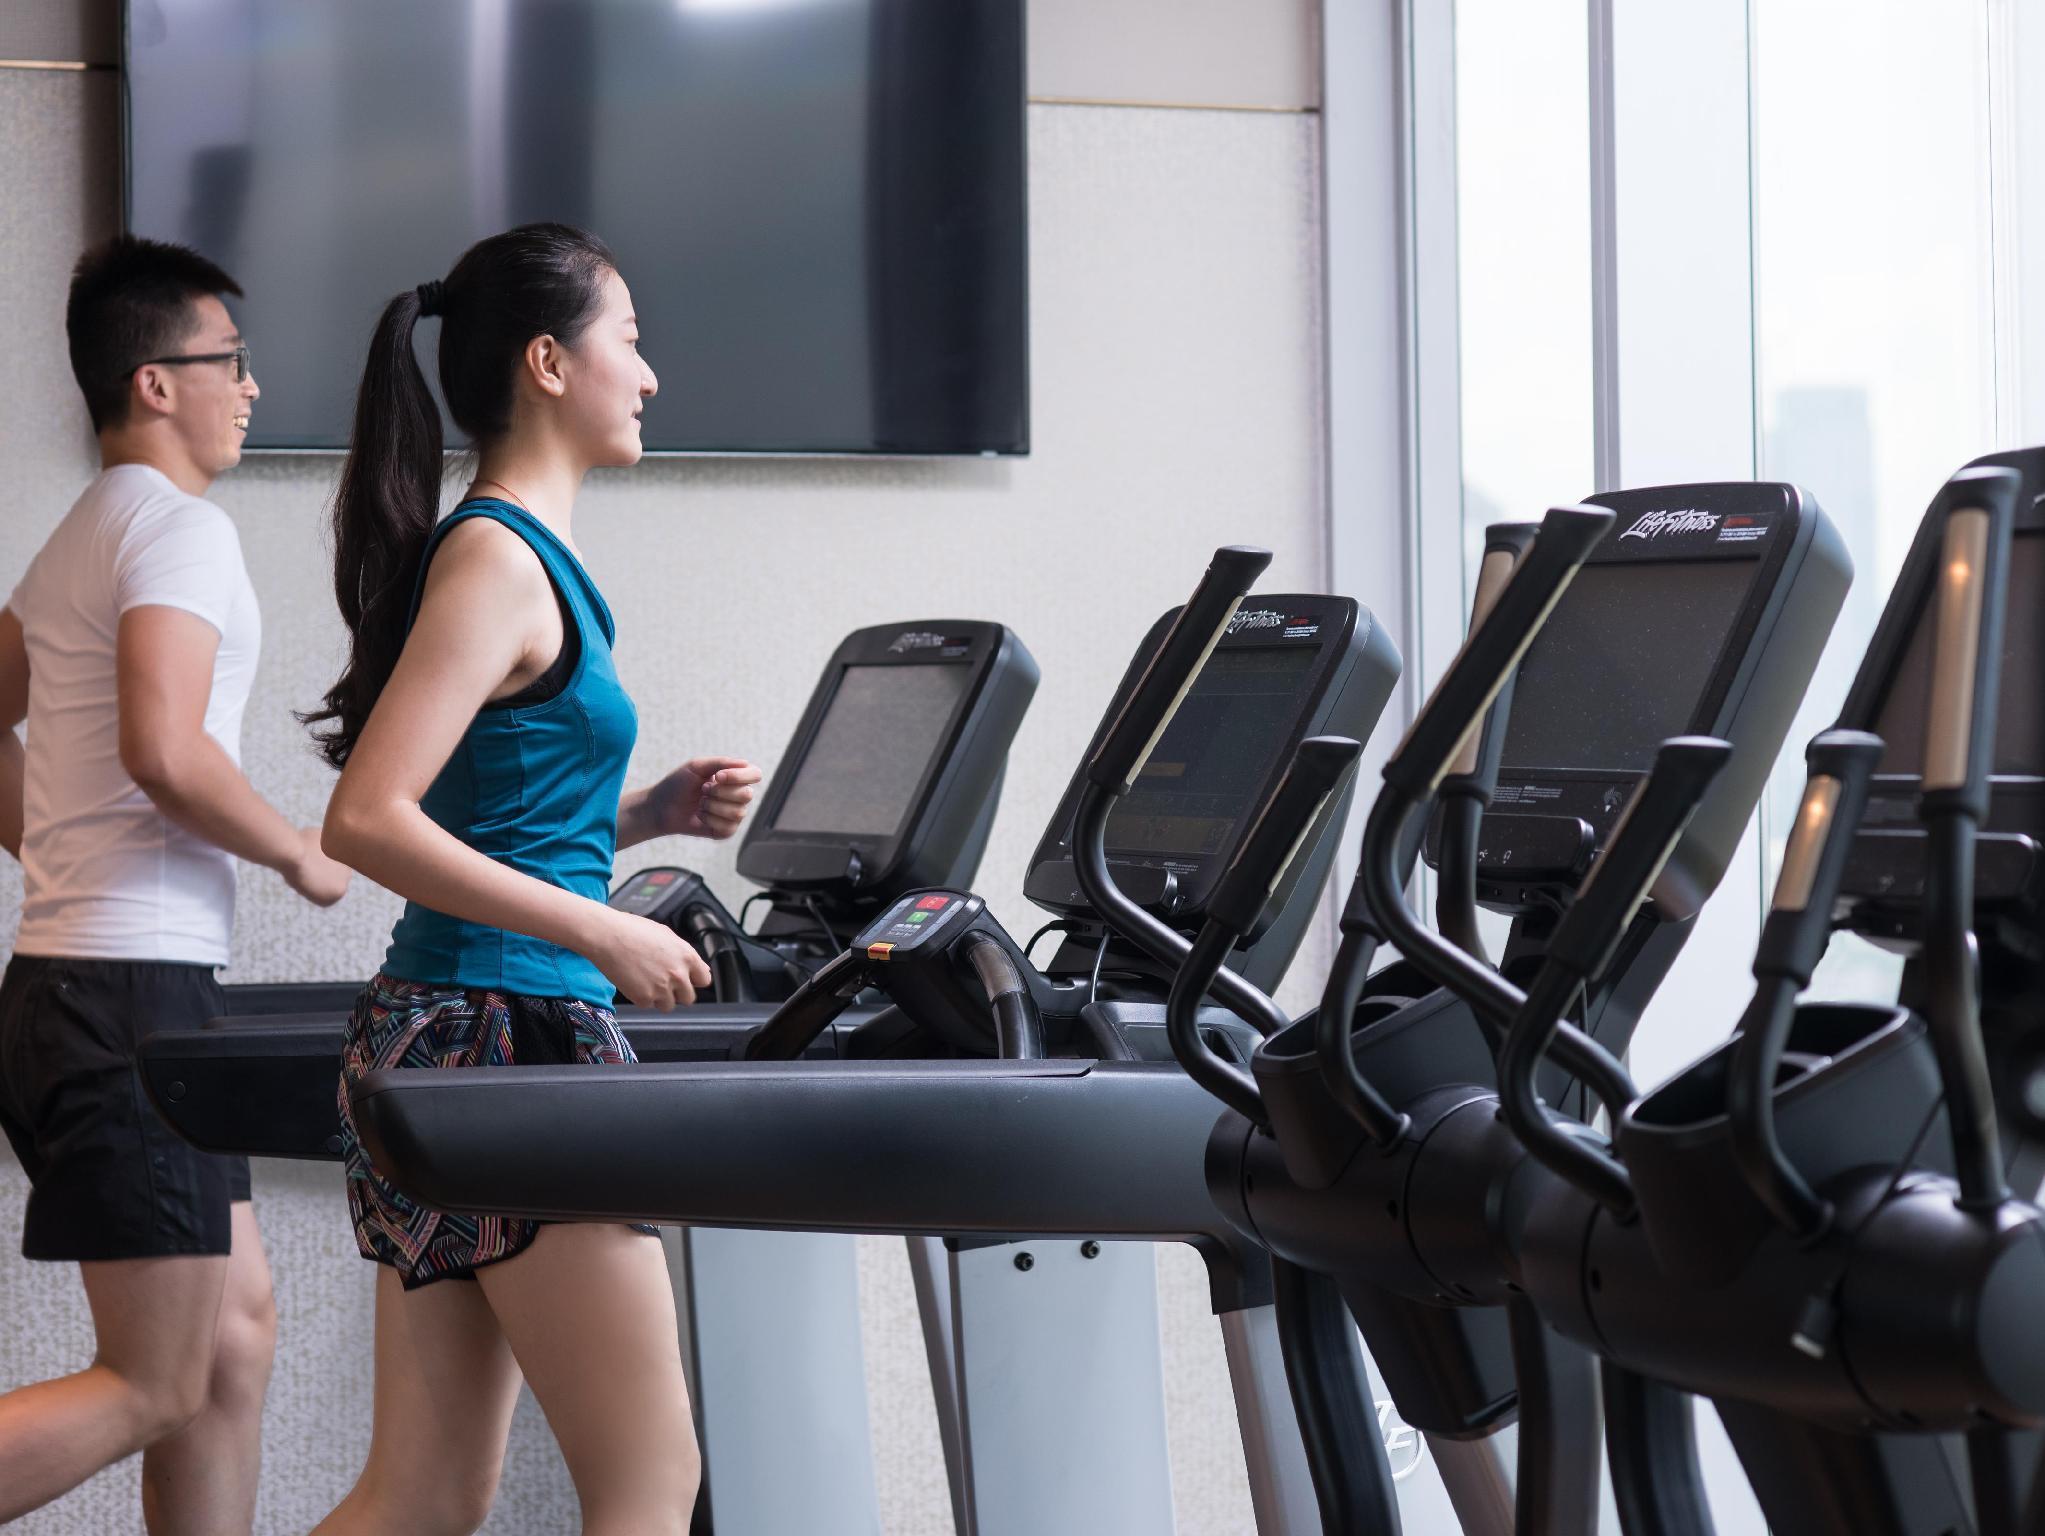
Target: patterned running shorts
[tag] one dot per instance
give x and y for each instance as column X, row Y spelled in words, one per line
column 412, row 1024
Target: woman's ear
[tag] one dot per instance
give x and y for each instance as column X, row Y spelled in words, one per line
column 544, row 357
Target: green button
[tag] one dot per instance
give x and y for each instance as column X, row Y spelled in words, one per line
column 919, row 917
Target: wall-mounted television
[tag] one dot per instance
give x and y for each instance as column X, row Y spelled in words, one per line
column 819, row 204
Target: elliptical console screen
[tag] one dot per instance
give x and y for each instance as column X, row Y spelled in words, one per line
column 1209, row 765
column 2020, row 711
column 875, row 743
column 1621, row 663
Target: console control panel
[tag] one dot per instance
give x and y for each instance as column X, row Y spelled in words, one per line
column 920, row 920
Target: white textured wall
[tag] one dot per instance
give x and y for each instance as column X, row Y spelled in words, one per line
column 1176, row 406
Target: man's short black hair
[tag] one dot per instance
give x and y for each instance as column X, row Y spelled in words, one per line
column 131, row 301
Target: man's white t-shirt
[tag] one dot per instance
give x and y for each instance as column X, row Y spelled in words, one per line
column 107, row 874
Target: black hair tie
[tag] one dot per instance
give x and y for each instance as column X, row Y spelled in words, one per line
column 432, row 296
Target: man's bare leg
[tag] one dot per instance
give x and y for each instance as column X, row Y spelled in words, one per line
column 154, row 1319
column 201, row 1481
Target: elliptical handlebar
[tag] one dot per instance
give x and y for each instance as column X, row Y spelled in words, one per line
column 1623, row 878
column 1474, row 679
column 1566, row 537
column 1128, row 742
column 1979, row 506
column 1465, row 793
column 1840, row 768
column 1619, row 884
column 1475, row 768
column 1462, row 797
column 1316, row 772
column 1793, row 937
column 1119, row 758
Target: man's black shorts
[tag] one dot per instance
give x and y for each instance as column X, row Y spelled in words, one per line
column 111, row 1180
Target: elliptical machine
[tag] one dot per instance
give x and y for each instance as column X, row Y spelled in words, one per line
column 1811, row 1224
column 1774, row 1227
column 1365, row 1142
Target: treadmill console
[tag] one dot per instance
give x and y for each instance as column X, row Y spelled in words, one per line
column 1703, row 612
column 891, row 779
column 653, row 893
column 1883, row 888
column 1290, row 666
column 919, row 920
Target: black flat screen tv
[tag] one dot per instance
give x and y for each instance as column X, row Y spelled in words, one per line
column 819, row 204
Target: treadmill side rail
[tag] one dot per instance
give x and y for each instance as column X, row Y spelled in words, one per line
column 1026, row 1148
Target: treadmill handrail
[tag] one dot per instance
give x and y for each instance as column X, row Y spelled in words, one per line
column 1048, row 1148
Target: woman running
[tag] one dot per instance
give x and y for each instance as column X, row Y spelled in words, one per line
column 483, row 735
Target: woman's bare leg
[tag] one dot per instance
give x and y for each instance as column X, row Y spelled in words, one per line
column 446, row 1385
column 590, row 1314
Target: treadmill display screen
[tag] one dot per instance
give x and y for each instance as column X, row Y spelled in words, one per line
column 1204, row 775
column 1621, row 663
column 879, row 733
column 2020, row 709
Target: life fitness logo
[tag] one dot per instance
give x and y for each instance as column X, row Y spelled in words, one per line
column 1254, row 618
column 1652, row 525
column 1403, row 1445
column 915, row 640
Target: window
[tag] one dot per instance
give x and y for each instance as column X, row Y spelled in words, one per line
column 1874, row 312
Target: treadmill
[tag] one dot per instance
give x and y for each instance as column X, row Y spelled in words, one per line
column 1047, row 1157
column 890, row 782
column 904, row 743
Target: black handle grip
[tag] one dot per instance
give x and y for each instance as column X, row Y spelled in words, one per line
column 1567, row 536
column 1647, row 833
column 1180, row 655
column 1841, row 765
column 1979, row 508
column 1317, row 770
column 1018, row 1026
column 731, row 980
column 786, row 1034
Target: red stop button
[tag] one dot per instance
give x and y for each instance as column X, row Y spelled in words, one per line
column 933, row 904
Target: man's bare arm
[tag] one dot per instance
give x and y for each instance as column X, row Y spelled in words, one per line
column 163, row 663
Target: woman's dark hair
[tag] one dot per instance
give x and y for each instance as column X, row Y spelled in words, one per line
column 536, row 280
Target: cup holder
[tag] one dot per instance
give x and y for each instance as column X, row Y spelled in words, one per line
column 1855, row 1086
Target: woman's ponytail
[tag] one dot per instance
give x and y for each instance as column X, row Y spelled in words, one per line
column 536, row 280
column 383, row 517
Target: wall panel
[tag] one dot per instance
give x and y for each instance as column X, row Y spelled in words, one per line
column 1177, row 377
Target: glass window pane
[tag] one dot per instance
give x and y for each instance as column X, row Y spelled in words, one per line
column 1524, row 263
column 1873, row 317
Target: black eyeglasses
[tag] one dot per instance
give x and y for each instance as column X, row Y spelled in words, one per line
column 239, row 357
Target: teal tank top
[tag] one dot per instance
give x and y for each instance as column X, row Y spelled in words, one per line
column 533, row 786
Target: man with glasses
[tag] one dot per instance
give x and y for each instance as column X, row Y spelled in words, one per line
column 128, row 648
